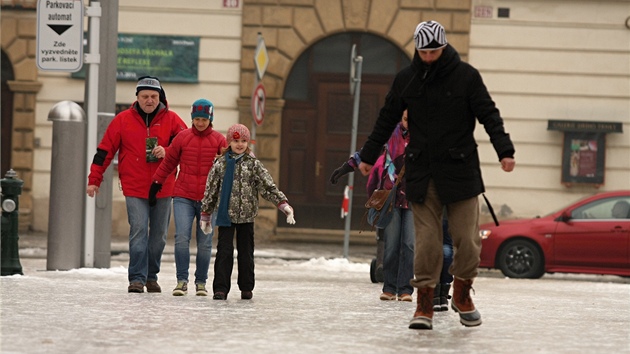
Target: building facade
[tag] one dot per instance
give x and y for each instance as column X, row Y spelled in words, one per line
column 541, row 60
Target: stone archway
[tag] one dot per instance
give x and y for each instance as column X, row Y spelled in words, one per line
column 317, row 123
column 289, row 30
column 19, row 30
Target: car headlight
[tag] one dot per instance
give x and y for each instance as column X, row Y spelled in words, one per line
column 484, row 234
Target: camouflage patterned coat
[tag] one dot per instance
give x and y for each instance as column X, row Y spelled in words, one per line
column 251, row 179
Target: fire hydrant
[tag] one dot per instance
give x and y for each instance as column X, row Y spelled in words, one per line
column 11, row 190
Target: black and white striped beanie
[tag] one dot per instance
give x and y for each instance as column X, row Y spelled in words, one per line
column 429, row 36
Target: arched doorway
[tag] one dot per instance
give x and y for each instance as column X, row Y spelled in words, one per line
column 6, row 102
column 317, row 123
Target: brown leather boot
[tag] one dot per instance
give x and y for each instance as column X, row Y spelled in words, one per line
column 153, row 286
column 423, row 317
column 462, row 303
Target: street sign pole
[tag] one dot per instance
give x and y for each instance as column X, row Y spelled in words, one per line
column 93, row 58
column 261, row 60
column 356, row 63
column 106, row 112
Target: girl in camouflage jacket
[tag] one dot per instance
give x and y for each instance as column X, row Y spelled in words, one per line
column 234, row 183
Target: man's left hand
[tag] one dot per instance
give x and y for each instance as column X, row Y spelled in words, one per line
column 159, row 152
column 507, row 164
column 365, row 168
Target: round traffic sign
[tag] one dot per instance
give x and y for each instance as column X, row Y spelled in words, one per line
column 258, row 104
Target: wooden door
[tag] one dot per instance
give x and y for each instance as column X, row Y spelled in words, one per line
column 316, row 139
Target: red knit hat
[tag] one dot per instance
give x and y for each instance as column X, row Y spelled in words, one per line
column 237, row 131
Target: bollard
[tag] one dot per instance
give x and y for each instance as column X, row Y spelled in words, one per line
column 11, row 189
column 67, row 186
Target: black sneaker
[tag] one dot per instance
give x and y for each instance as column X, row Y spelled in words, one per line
column 246, row 295
column 441, row 297
column 444, row 297
column 219, row 296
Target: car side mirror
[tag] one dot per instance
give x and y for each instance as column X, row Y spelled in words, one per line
column 565, row 217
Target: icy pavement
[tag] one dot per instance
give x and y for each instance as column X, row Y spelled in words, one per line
column 321, row 305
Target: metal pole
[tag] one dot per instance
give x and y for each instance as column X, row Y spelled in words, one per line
column 358, row 61
column 93, row 58
column 256, row 81
column 106, row 111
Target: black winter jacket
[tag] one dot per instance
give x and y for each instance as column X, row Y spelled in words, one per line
column 444, row 101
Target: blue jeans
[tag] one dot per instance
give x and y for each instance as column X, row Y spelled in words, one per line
column 398, row 256
column 447, row 247
column 148, row 227
column 185, row 212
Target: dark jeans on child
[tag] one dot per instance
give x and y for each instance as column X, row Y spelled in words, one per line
column 447, row 250
column 224, row 259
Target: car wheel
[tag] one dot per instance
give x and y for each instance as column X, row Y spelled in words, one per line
column 521, row 259
column 373, row 271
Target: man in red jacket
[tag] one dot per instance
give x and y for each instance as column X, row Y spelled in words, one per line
column 194, row 150
column 141, row 135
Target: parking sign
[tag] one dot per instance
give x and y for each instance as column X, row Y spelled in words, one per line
column 60, row 35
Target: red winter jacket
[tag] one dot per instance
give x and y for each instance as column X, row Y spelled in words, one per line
column 127, row 134
column 194, row 151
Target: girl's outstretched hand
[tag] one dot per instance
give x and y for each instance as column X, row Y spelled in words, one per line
column 206, row 223
column 289, row 213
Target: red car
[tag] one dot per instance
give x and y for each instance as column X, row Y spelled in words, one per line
column 591, row 235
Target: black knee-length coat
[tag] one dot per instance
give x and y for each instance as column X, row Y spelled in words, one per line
column 444, row 101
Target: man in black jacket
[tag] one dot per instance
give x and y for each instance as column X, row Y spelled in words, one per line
column 445, row 97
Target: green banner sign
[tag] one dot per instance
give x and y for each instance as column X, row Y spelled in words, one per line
column 171, row 58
